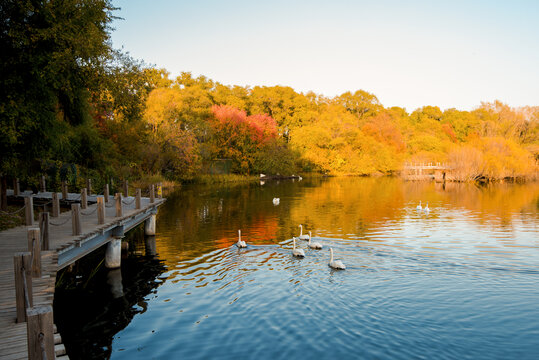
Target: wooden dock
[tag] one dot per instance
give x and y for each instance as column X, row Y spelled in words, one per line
column 64, row 249
column 439, row 172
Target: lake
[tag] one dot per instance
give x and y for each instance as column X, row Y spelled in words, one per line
column 458, row 282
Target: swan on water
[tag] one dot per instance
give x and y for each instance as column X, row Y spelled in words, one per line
column 419, row 206
column 314, row 245
column 301, row 236
column 276, row 201
column 337, row 264
column 240, row 243
column 297, row 252
column 426, row 208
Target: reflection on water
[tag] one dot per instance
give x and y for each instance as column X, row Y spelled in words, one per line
column 459, row 281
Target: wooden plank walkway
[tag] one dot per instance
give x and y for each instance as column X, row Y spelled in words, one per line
column 13, row 341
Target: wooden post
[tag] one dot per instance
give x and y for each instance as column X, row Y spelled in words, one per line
column 100, row 210
column 126, row 188
column 75, row 219
column 119, row 209
column 152, row 193
column 55, row 205
column 16, row 187
column 40, row 333
column 34, row 247
column 42, row 186
column 106, row 193
column 22, row 271
column 29, row 210
column 137, row 199
column 44, row 228
column 83, row 199
column 64, row 190
column 89, row 186
column 3, row 193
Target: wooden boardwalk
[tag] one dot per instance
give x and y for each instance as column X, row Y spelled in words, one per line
column 63, row 246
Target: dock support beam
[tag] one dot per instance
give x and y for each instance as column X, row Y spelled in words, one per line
column 149, row 225
column 113, row 256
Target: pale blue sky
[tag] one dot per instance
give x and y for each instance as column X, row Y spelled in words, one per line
column 408, row 53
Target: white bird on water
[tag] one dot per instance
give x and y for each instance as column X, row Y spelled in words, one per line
column 276, row 201
column 426, row 208
column 297, row 252
column 419, row 206
column 337, row 264
column 314, row 245
column 240, row 243
column 301, row 236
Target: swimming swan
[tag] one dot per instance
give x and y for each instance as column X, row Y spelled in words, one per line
column 314, row 245
column 240, row 243
column 297, row 252
column 426, row 209
column 419, row 206
column 301, row 236
column 335, row 264
column 276, row 201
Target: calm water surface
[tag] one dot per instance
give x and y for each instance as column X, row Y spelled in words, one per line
column 460, row 282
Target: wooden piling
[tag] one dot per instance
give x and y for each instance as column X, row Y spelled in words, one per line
column 29, row 210
column 16, row 187
column 89, row 186
column 3, row 193
column 75, row 219
column 44, row 228
column 137, row 199
column 126, row 188
column 106, row 193
column 100, row 210
column 42, row 185
column 55, row 205
column 23, row 289
column 119, row 210
column 83, row 198
column 34, row 247
column 40, row 333
column 64, row 190
column 152, row 194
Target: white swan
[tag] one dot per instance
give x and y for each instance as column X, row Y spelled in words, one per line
column 276, row 201
column 240, row 243
column 314, row 245
column 337, row 264
column 419, row 206
column 297, row 252
column 301, row 236
column 426, row 208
